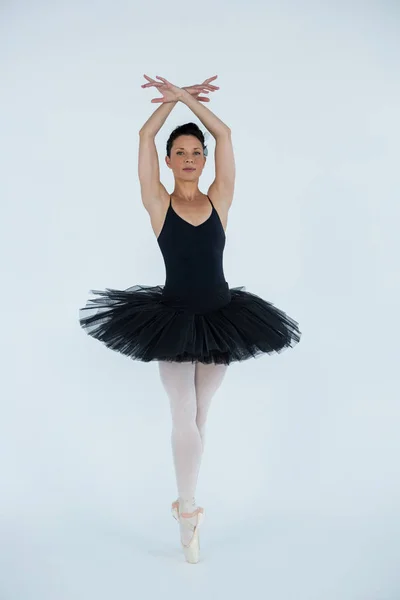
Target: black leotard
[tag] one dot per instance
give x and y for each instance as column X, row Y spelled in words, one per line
column 193, row 257
column 194, row 316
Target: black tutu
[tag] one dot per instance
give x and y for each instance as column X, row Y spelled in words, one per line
column 144, row 324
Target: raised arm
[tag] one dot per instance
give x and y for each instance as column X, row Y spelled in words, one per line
column 157, row 119
column 149, row 168
column 223, row 185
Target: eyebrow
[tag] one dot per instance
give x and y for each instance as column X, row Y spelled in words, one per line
column 196, row 148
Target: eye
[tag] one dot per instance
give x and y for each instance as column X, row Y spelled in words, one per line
column 181, row 152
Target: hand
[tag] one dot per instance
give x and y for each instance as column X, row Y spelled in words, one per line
column 202, row 88
column 170, row 92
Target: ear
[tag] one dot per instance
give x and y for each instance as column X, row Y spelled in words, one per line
column 167, row 161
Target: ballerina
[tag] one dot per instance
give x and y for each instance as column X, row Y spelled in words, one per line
column 194, row 324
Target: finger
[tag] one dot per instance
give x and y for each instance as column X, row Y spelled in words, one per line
column 200, row 89
column 201, row 98
column 152, row 81
column 162, row 79
column 204, row 91
column 155, row 84
column 210, row 79
column 206, row 82
column 212, row 88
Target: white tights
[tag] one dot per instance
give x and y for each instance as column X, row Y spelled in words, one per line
column 190, row 388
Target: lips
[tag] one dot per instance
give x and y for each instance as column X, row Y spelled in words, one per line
column 189, row 169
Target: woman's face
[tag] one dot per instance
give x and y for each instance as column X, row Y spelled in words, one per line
column 186, row 152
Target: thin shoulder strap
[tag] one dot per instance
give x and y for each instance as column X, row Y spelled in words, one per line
column 170, row 200
column 210, row 200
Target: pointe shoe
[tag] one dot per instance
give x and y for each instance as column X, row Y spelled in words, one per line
column 175, row 509
column 193, row 521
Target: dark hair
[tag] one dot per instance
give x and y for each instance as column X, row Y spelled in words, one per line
column 186, row 129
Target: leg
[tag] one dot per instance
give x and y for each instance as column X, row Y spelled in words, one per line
column 208, row 378
column 178, row 382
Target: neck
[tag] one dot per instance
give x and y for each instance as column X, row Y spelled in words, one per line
column 186, row 190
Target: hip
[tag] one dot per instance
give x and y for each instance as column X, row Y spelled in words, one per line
column 197, row 299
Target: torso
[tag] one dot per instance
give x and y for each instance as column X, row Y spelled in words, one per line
column 195, row 212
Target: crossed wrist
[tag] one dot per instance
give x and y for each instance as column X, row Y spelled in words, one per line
column 182, row 93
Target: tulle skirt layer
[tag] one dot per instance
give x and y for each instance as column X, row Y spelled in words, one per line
column 144, row 323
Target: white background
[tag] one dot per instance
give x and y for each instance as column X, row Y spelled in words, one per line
column 300, row 475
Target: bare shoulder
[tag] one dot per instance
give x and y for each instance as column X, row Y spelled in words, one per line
column 222, row 198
